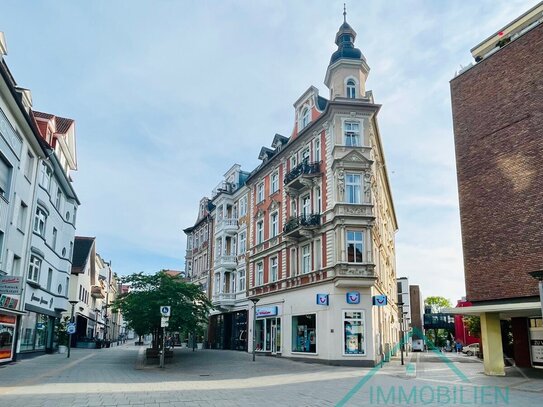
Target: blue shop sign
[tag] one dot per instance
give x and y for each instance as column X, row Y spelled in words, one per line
column 380, row 300
column 353, row 297
column 263, row 312
column 322, row 299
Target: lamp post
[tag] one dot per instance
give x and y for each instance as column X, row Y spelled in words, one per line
column 400, row 309
column 72, row 303
column 538, row 275
column 254, row 301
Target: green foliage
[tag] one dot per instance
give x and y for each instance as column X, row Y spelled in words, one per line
column 473, row 324
column 60, row 330
column 437, row 303
column 141, row 306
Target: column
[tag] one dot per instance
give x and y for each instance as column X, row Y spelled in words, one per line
column 492, row 344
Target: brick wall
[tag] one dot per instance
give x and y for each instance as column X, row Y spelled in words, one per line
column 498, row 127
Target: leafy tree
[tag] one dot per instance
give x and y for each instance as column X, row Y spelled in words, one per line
column 140, row 307
column 437, row 303
column 473, row 324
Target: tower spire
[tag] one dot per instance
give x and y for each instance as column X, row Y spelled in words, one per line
column 344, row 13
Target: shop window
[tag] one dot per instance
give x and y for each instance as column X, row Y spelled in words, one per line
column 268, row 335
column 353, row 333
column 304, row 333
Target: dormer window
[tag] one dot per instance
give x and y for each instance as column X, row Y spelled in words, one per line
column 351, row 89
column 305, row 117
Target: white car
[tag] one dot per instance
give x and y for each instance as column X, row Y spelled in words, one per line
column 471, row 350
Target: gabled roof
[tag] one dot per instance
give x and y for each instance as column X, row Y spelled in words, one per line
column 265, row 153
column 81, row 253
column 279, row 140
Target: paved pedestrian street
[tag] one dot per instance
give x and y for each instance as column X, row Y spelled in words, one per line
column 115, row 377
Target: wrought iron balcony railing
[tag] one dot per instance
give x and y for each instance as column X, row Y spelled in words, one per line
column 296, row 222
column 304, row 168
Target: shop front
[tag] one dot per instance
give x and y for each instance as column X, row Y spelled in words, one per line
column 228, row 331
column 268, row 330
column 8, row 325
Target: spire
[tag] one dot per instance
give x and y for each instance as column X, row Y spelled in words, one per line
column 345, row 41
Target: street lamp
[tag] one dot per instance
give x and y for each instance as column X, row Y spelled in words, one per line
column 400, row 308
column 538, row 275
column 254, row 301
column 72, row 303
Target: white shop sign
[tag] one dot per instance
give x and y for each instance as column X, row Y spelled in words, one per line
column 536, row 342
column 264, row 312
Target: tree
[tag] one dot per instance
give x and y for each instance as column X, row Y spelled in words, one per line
column 437, row 303
column 473, row 324
column 140, row 307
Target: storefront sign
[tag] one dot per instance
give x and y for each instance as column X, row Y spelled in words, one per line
column 380, row 300
column 8, row 302
column 11, row 285
column 263, row 312
column 353, row 297
column 536, row 341
column 322, row 299
column 41, row 300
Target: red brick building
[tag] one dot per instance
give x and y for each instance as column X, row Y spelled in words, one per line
column 497, row 109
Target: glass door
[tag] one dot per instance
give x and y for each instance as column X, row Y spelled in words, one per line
column 273, row 337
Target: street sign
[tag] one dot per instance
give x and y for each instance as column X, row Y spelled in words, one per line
column 164, row 322
column 71, row 328
column 165, row 310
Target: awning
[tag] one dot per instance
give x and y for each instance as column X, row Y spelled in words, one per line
column 518, row 309
column 11, row 311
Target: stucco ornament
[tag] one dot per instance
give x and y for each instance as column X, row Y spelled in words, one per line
column 341, row 184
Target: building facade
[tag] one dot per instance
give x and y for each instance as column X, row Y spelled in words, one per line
column 322, row 249
column 497, row 106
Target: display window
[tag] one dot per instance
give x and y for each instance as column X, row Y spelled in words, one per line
column 268, row 335
column 34, row 331
column 304, row 333
column 7, row 333
column 354, row 326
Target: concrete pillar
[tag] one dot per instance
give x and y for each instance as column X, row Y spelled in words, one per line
column 492, row 344
column 521, row 342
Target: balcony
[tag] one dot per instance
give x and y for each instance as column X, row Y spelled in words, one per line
column 298, row 227
column 224, row 299
column 97, row 291
column 227, row 225
column 226, row 261
column 301, row 176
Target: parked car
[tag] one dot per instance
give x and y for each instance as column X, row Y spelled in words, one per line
column 471, row 350
column 417, row 345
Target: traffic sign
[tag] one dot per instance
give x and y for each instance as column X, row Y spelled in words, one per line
column 165, row 310
column 164, row 322
column 71, row 328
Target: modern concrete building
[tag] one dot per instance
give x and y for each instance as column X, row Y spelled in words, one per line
column 404, row 306
column 322, row 251
column 497, row 106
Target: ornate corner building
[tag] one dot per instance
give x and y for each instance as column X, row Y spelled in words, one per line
column 317, row 236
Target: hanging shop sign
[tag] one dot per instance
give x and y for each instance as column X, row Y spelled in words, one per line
column 322, row 299
column 263, row 312
column 11, row 285
column 353, row 297
column 8, row 302
column 380, row 300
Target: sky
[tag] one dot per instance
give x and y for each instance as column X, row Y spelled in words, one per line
column 168, row 95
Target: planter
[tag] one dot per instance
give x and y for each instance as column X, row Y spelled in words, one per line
column 62, row 349
column 200, row 345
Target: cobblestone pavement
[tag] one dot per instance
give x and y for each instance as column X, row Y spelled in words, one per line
column 112, row 377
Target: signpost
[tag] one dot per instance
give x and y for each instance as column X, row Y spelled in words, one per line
column 165, row 311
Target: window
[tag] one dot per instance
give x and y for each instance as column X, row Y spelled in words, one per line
column 39, row 221
column 259, row 273
column 352, row 134
column 306, row 206
column 242, row 237
column 318, row 254
column 71, row 250
column 355, row 246
column 293, row 162
column 243, row 206
column 304, row 333
column 49, row 279
column 54, row 243
column 352, row 188
column 293, row 209
column 29, row 164
column 305, row 155
column 306, row 259
column 353, row 333
column 45, row 177
column 16, row 265
column 34, row 269
column 66, row 286
column 351, row 89
column 319, row 200
column 293, row 262
column 21, row 219
column 59, row 197
column 259, row 232
column 260, row 192
column 305, row 117
column 274, row 222
column 317, row 150
column 273, row 269
column 217, row 284
column 241, row 280
column 274, row 182
column 5, row 177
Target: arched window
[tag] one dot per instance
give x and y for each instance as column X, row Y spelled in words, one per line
column 351, row 89
column 305, row 117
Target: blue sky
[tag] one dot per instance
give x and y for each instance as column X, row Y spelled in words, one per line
column 167, row 95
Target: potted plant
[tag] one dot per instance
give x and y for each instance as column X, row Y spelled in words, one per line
column 62, row 334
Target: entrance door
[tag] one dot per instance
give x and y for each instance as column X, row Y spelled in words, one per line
column 273, row 337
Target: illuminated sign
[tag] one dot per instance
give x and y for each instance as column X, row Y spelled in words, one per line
column 353, row 297
column 263, row 312
column 322, row 299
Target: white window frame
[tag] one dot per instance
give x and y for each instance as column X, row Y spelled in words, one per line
column 274, row 182
column 242, row 244
column 260, row 192
column 351, row 188
column 29, row 165
column 306, row 205
column 40, row 221
column 364, row 337
column 259, row 274
column 274, row 269
column 260, row 231
column 243, row 206
column 34, row 269
column 349, row 241
column 293, row 262
column 306, row 259
column 305, row 117
column 46, row 175
column 274, row 224
column 317, row 152
column 316, row 336
column 350, row 88
column 352, row 138
column 241, row 280
column 318, row 200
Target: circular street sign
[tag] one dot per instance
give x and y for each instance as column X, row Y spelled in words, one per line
column 165, row 310
column 70, row 328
